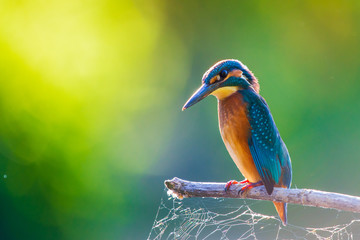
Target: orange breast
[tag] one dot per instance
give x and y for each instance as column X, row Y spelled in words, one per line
column 235, row 130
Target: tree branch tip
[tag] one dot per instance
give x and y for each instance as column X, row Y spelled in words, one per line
column 174, row 187
column 169, row 184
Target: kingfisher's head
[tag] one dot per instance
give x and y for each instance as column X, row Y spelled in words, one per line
column 223, row 79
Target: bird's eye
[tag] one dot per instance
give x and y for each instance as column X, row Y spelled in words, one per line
column 223, row 74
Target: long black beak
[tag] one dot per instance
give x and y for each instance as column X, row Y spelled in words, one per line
column 200, row 94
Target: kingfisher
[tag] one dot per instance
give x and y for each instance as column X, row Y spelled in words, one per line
column 247, row 128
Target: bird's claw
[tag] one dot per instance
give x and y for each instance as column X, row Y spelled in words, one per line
column 249, row 186
column 232, row 182
column 229, row 183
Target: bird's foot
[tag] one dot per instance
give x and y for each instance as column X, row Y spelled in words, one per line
column 250, row 186
column 244, row 181
column 232, row 182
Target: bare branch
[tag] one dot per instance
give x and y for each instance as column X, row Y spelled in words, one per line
column 309, row 197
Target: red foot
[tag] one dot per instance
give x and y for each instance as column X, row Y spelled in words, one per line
column 250, row 186
column 232, row 182
column 244, row 181
column 229, row 183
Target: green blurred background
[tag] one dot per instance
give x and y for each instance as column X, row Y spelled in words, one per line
column 91, row 95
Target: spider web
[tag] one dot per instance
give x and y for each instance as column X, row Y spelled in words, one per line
column 208, row 218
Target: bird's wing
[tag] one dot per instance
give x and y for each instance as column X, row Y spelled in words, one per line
column 265, row 143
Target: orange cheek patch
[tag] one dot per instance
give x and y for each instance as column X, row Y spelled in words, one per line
column 234, row 73
column 214, row 79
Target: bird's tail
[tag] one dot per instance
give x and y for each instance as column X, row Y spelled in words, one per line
column 281, row 208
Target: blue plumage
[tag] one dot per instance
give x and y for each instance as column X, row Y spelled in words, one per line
column 269, row 152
